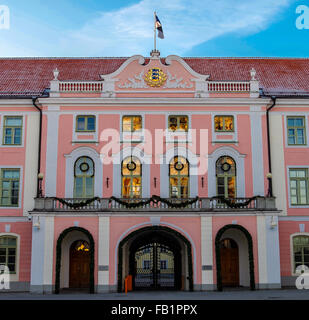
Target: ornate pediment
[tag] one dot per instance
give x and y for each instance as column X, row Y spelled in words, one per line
column 138, row 77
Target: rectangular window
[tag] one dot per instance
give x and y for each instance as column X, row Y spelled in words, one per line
column 301, row 251
column 9, row 187
column 224, row 123
column 131, row 123
column 299, row 186
column 8, row 253
column 85, row 123
column 178, row 123
column 296, row 130
column 12, row 130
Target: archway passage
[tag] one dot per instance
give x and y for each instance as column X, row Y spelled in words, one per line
column 61, row 265
column 79, row 264
column 229, row 257
column 243, row 241
column 158, row 258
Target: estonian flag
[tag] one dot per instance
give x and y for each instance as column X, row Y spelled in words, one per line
column 159, row 28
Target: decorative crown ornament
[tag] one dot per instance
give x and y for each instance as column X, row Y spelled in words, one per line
column 155, row 77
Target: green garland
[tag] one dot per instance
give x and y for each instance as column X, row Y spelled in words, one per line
column 155, row 199
column 58, row 257
column 234, row 205
column 158, row 228
column 218, row 255
column 77, row 205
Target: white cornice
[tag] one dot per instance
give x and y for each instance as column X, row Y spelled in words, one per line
column 155, row 101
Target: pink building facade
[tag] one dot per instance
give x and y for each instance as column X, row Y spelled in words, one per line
column 175, row 173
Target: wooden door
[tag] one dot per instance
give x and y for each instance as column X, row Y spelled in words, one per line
column 229, row 263
column 79, row 265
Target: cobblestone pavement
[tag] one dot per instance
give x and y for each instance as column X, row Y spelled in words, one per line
column 282, row 294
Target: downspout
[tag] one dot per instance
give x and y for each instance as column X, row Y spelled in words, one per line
column 269, row 176
column 34, row 99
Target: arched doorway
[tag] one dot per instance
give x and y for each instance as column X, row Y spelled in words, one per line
column 158, row 258
column 245, row 269
column 229, row 257
column 69, row 240
column 79, row 264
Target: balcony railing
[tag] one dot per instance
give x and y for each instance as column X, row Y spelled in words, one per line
column 156, row 204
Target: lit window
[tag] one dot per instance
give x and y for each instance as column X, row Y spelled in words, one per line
column 8, row 252
column 84, row 178
column 131, row 123
column 301, row 251
column 9, row 187
column 296, row 130
column 226, row 177
column 178, row 123
column 131, row 178
column 179, row 177
column 85, row 123
column 12, row 130
column 299, row 186
column 224, row 123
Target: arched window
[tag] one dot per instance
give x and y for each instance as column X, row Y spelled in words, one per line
column 131, row 178
column 226, row 177
column 301, row 251
column 8, row 248
column 179, row 177
column 84, row 178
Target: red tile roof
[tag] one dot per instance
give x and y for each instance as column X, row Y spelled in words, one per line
column 31, row 76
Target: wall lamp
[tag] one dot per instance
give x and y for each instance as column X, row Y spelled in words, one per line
column 107, row 182
column 40, row 178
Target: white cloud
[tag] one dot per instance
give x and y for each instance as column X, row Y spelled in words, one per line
column 186, row 23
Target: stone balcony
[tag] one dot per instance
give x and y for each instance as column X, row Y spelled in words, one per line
column 154, row 204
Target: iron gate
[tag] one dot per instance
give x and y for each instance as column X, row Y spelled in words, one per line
column 154, row 267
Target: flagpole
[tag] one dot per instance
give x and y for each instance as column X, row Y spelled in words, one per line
column 155, row 36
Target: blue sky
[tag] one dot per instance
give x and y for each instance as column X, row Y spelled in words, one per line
column 123, row 28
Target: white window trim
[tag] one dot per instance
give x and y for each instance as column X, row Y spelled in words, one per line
column 14, row 277
column 240, row 170
column 140, row 133
column 24, row 123
column 288, row 186
column 286, row 130
column 20, row 194
column 80, row 133
column 215, row 134
column 69, row 174
column 292, row 249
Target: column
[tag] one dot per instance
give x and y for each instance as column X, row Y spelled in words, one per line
column 103, row 253
column 42, row 255
column 206, row 253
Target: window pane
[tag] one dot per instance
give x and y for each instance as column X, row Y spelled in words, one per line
column 89, row 187
column 301, row 173
column 126, row 124
column 137, row 123
column 91, row 124
column 173, row 123
column 126, row 182
column 228, row 124
column 290, row 122
column 299, row 122
column 78, row 187
column 13, row 121
column 218, row 123
column 292, row 173
column 80, row 123
column 231, row 187
column 183, row 123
